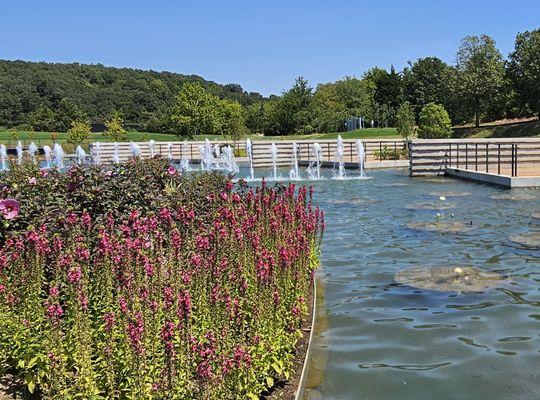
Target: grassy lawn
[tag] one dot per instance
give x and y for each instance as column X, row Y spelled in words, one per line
column 10, row 138
column 508, row 130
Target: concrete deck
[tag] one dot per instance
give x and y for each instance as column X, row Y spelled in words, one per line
column 506, row 180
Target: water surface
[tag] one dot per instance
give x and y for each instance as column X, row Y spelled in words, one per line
column 384, row 340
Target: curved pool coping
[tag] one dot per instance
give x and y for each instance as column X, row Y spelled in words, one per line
column 303, row 377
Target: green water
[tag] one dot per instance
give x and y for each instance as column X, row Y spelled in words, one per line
column 378, row 339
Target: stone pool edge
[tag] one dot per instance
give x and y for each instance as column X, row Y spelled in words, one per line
column 303, row 376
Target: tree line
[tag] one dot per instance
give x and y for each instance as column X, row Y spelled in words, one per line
column 481, row 85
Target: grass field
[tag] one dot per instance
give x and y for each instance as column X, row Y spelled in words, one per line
column 10, row 138
column 530, row 128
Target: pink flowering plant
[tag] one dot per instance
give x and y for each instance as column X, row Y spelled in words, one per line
column 197, row 294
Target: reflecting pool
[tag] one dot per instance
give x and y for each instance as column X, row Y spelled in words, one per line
column 380, row 339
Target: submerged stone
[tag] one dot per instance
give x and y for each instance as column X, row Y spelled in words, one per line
column 442, row 226
column 451, row 193
column 430, row 206
column 449, row 279
column 513, row 196
column 536, row 216
column 529, row 239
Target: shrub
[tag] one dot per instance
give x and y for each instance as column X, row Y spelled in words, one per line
column 78, row 132
column 115, row 127
column 434, row 122
column 195, row 294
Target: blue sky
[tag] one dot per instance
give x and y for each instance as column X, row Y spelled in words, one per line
column 262, row 45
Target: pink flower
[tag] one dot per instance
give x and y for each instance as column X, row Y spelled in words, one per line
column 9, row 208
column 171, row 170
column 44, row 172
column 32, row 180
column 74, row 275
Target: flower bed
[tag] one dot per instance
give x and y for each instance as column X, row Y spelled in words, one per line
column 142, row 283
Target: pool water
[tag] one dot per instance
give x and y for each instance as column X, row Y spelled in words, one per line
column 377, row 339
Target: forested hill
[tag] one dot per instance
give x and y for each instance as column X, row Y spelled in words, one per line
column 96, row 91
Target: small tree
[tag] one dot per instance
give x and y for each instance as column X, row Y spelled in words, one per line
column 78, row 132
column 405, row 121
column 434, row 122
column 115, row 127
column 232, row 120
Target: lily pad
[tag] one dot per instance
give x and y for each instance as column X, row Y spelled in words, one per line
column 529, row 239
column 449, row 279
column 452, row 227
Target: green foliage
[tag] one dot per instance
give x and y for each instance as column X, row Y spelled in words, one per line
column 232, row 120
column 115, row 127
column 428, row 80
column 434, row 122
column 96, row 90
column 195, row 111
column 78, row 132
column 406, row 124
column 524, row 69
column 390, row 153
column 143, row 283
column 42, row 119
column 480, row 73
column 333, row 103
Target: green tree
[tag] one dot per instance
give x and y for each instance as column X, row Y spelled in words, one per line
column 388, row 93
column 195, row 111
column 480, row 74
column 428, row 80
column 294, row 113
column 78, row 132
column 232, row 120
column 66, row 113
column 434, row 122
column 524, row 69
column 405, row 121
column 115, row 127
column 254, row 117
column 42, row 119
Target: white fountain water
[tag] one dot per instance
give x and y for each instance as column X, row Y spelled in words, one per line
column 249, row 151
column 135, row 149
column 228, row 161
column 32, row 150
column 338, row 161
column 169, row 152
column 58, row 155
column 96, row 153
column 19, row 149
column 184, row 160
column 48, row 159
column 273, row 153
column 294, row 173
column 207, row 156
column 81, row 155
column 151, row 147
column 361, row 151
column 3, row 157
column 116, row 154
column 314, row 167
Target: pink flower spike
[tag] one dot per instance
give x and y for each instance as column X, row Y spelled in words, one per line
column 9, row 208
column 171, row 170
column 32, row 180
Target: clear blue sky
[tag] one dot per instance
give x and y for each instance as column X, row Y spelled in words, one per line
column 262, row 45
